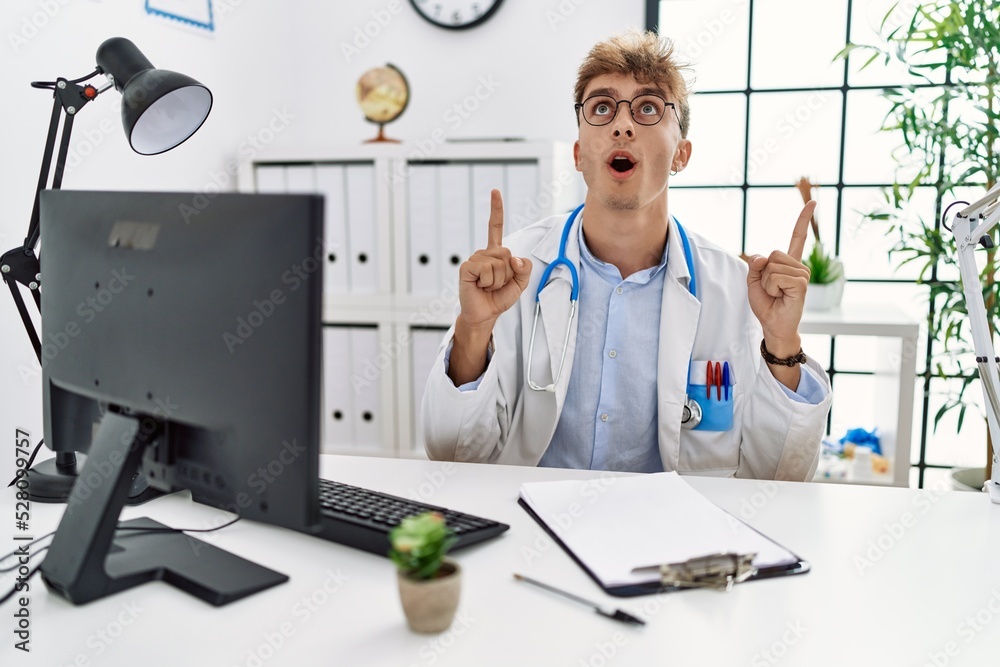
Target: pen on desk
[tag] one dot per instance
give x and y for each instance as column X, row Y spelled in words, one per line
column 616, row 614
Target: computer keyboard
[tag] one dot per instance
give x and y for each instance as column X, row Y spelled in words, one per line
column 362, row 518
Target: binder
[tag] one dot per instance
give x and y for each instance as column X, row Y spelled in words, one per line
column 300, row 179
column 653, row 533
column 366, row 376
column 338, row 406
column 485, row 177
column 361, row 224
column 455, row 197
column 423, row 225
column 330, row 184
column 424, row 347
column 523, row 205
column 271, row 179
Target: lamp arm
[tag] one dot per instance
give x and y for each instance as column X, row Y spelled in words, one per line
column 20, row 265
column 984, row 214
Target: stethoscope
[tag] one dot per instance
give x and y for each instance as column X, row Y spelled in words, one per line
column 691, row 415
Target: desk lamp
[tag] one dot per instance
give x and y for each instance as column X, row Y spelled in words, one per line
column 970, row 228
column 160, row 110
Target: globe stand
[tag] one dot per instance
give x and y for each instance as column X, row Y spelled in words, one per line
column 381, row 138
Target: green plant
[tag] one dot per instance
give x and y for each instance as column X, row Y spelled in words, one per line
column 419, row 544
column 823, row 269
column 949, row 139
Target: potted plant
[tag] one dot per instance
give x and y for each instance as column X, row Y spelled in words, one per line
column 826, row 279
column 953, row 40
column 429, row 582
column 826, row 273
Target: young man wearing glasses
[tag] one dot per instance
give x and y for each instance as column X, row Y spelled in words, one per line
column 663, row 352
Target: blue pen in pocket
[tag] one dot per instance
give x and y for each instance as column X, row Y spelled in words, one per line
column 710, row 384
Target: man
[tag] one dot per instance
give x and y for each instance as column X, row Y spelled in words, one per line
column 671, row 329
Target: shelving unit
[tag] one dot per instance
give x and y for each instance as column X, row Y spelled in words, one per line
column 400, row 219
column 895, row 374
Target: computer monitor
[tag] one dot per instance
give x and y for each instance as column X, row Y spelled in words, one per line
column 191, row 332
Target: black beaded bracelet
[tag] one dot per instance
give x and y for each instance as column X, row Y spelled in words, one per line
column 799, row 358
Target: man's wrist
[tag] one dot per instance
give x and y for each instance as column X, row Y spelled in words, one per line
column 774, row 362
column 783, row 348
column 468, row 352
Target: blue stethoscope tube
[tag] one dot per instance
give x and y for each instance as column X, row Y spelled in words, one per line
column 692, row 411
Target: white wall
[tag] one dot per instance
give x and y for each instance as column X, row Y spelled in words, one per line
column 266, row 61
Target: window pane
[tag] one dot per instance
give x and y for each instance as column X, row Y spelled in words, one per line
column 856, row 353
column 794, row 134
column 772, row 212
column 866, row 17
column 713, row 36
column 945, row 446
column 785, row 56
column 918, row 415
column 718, row 140
column 817, row 347
column 715, row 213
column 868, row 151
column 936, row 478
column 866, row 246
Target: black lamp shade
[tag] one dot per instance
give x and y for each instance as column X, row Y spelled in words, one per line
column 160, row 108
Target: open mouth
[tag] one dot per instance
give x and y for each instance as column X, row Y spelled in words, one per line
column 621, row 164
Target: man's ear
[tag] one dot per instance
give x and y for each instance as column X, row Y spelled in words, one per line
column 681, row 156
column 576, row 154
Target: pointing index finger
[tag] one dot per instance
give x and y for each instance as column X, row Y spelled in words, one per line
column 495, row 238
column 798, row 242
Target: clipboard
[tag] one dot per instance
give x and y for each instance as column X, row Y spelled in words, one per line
column 713, row 568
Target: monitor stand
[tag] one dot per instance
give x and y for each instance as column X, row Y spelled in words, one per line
column 86, row 561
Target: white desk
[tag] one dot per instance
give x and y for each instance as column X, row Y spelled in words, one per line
column 913, row 598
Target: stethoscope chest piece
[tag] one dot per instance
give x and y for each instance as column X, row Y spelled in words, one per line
column 691, row 416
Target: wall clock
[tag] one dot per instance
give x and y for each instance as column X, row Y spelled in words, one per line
column 456, row 14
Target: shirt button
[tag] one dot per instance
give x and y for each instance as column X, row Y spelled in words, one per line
column 619, row 290
column 612, row 354
column 604, row 417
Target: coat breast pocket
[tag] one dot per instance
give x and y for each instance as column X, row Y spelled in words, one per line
column 711, row 384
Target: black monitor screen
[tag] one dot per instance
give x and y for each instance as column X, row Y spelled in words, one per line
column 209, row 324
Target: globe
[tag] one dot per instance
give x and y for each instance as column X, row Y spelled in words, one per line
column 383, row 95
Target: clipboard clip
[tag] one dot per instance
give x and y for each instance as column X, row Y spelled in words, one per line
column 718, row 571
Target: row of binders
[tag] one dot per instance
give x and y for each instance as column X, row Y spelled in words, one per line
column 350, row 218
column 448, row 212
column 353, row 409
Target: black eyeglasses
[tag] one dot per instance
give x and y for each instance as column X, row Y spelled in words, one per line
column 646, row 109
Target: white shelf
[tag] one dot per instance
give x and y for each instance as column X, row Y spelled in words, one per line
column 895, row 373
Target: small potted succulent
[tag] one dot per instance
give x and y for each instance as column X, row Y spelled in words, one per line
column 429, row 582
column 826, row 279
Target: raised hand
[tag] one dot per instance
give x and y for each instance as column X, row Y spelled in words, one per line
column 490, row 282
column 776, row 288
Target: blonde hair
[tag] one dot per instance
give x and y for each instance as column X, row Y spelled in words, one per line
column 645, row 56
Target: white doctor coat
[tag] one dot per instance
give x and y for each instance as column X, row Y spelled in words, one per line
column 504, row 421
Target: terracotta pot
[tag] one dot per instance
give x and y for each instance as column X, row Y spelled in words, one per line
column 430, row 604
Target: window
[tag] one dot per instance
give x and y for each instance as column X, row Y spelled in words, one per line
column 771, row 105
